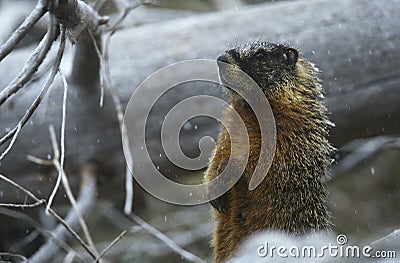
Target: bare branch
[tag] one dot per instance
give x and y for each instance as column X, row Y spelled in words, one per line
column 36, row 204
column 107, row 72
column 120, row 117
column 85, row 200
column 58, row 164
column 100, row 57
column 27, row 192
column 39, row 161
column 37, row 226
column 86, row 197
column 55, row 147
column 104, row 63
column 113, row 28
column 74, row 204
column 14, row 138
column 64, row 117
column 83, row 16
column 39, row 10
column 57, row 185
column 128, row 190
column 169, row 242
column 33, row 63
column 105, row 76
column 42, row 93
column 62, row 177
column 115, row 241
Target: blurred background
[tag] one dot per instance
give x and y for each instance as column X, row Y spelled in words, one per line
column 354, row 43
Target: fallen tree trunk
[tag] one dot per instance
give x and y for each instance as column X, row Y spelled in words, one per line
column 358, row 56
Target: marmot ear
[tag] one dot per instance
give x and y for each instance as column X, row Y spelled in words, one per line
column 291, row 55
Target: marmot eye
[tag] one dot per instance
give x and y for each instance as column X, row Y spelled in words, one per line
column 290, row 56
column 260, row 54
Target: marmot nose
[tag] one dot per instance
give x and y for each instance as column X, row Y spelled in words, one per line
column 222, row 58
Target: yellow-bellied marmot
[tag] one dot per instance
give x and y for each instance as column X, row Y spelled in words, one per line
column 292, row 196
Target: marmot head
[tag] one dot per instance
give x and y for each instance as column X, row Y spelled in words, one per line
column 276, row 68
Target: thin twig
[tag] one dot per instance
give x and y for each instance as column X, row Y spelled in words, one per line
column 58, row 162
column 105, row 74
column 64, row 179
column 125, row 142
column 67, row 224
column 168, row 241
column 128, row 191
column 33, row 63
column 19, row 187
column 60, row 166
column 56, row 150
column 114, row 27
column 36, row 204
column 86, row 198
column 88, row 182
column 57, row 185
column 71, row 197
column 64, row 117
column 39, row 10
column 41, row 95
column 14, row 138
column 115, row 241
column 105, row 61
column 118, row 107
column 100, row 57
column 37, row 226
column 39, row 161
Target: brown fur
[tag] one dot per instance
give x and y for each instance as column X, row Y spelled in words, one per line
column 292, row 197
